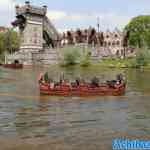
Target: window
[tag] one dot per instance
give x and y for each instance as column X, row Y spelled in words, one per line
column 117, row 52
column 113, row 43
column 116, row 35
column 118, row 42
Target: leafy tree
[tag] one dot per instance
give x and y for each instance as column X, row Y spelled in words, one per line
column 11, row 41
column 139, row 29
column 2, row 46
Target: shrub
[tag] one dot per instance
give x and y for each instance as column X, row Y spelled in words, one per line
column 71, row 56
column 86, row 60
column 143, row 57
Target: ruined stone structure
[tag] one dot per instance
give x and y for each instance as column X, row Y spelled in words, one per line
column 105, row 43
column 114, row 42
column 38, row 36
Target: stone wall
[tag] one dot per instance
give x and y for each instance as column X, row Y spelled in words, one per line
column 44, row 57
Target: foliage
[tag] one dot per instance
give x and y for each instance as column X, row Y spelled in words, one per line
column 71, row 56
column 139, row 31
column 86, row 60
column 120, row 63
column 143, row 57
column 9, row 42
column 2, row 45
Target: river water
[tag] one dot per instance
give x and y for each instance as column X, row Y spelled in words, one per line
column 34, row 122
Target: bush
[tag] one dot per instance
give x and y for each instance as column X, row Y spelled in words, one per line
column 71, row 56
column 143, row 57
column 140, row 60
column 86, row 60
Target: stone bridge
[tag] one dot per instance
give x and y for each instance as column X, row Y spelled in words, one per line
column 38, row 36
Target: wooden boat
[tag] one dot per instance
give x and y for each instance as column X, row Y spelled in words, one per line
column 13, row 66
column 83, row 90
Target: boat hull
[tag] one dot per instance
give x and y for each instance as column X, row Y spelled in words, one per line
column 85, row 90
column 13, row 66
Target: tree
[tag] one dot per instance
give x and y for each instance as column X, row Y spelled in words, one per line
column 11, row 41
column 2, row 46
column 139, row 29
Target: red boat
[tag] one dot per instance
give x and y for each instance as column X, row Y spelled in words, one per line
column 13, row 66
column 83, row 90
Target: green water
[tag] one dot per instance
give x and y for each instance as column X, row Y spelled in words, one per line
column 71, row 122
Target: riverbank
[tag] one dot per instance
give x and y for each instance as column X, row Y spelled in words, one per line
column 113, row 63
column 122, row 63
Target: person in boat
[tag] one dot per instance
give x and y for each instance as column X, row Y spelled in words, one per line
column 46, row 77
column 66, row 82
column 95, row 82
column 114, row 83
column 111, row 83
column 119, row 79
column 51, row 84
column 82, row 82
column 40, row 78
column 61, row 80
column 77, row 81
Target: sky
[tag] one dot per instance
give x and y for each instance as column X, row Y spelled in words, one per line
column 72, row 14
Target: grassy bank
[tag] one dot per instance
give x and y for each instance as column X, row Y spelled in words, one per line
column 73, row 57
column 121, row 63
column 116, row 63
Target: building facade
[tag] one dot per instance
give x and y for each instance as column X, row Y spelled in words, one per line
column 111, row 42
column 3, row 29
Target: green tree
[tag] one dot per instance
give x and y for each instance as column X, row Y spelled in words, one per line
column 11, row 41
column 139, row 29
column 2, row 46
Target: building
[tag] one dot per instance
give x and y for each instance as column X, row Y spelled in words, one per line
column 3, row 29
column 112, row 42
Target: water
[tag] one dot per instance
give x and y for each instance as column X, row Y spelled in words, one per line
column 30, row 121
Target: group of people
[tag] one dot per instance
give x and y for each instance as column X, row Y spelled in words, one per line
column 44, row 78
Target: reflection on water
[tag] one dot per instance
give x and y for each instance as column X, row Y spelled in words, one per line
column 73, row 121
